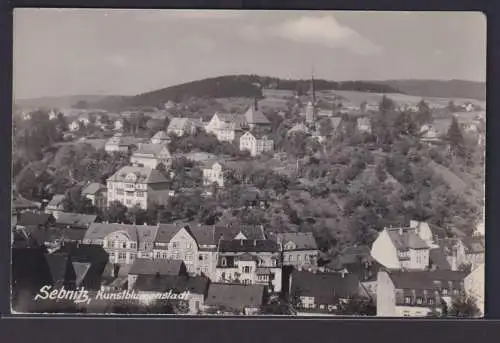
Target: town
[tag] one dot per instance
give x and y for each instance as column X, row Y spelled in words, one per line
column 304, row 202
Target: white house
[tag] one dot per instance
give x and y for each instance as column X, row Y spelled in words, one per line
column 181, row 126
column 215, row 174
column 150, row 155
column 256, row 143
column 118, row 124
column 404, row 247
column 226, row 126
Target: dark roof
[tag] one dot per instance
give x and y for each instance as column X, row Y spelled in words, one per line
column 426, row 280
column 473, row 245
column 30, row 270
column 61, row 268
column 248, row 245
column 93, row 188
column 255, row 116
column 302, row 240
column 406, row 238
column 235, row 296
column 203, row 234
column 34, row 219
column 75, row 219
column 231, row 230
column 144, row 266
column 326, row 288
column 178, row 284
column 165, row 232
column 437, row 258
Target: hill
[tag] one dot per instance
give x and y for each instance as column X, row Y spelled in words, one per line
column 440, row 88
column 59, row 101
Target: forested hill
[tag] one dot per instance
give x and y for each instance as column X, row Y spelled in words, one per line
column 233, row 86
column 440, row 88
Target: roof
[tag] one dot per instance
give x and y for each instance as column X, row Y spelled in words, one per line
column 230, row 231
column 426, row 280
column 155, row 150
column 34, row 218
column 177, row 123
column 30, row 270
column 141, row 175
column 56, row 201
column 254, row 116
column 203, row 234
column 162, row 135
column 60, row 267
column 335, row 122
column 326, row 288
column 144, row 266
column 93, row 188
column 75, row 219
column 437, row 257
column 235, row 296
column 473, row 245
column 248, row 245
column 137, row 233
column 232, row 120
column 406, row 238
column 302, row 240
column 178, row 284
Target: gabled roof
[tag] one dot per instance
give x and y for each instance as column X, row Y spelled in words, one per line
column 326, row 288
column 20, row 203
column 248, row 245
column 302, row 240
column 255, row 116
column 299, row 127
column 437, row 257
column 406, row 238
column 178, row 123
column 235, row 296
column 140, row 233
column 155, row 150
column 75, row 219
column 93, row 188
column 230, row 231
column 166, row 232
column 143, row 175
column 162, row 135
column 60, row 267
column 426, row 280
column 259, row 135
column 144, row 266
column 232, row 121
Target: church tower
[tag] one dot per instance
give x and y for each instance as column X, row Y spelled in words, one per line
column 311, row 111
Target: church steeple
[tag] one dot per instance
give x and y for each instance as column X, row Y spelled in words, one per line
column 312, row 89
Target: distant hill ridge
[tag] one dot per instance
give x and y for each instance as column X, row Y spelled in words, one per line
column 250, row 86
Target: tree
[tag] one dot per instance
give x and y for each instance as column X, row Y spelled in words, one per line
column 424, row 112
column 26, row 183
column 386, row 105
column 74, row 201
column 362, row 106
column 81, row 104
column 136, row 215
column 358, row 306
column 325, row 127
column 456, row 138
column 464, row 306
column 115, row 213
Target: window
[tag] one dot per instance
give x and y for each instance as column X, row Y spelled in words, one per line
column 406, row 313
column 419, row 301
column 174, row 245
column 111, row 254
column 223, row 262
column 445, row 291
column 140, row 194
column 299, row 258
column 164, row 254
column 122, row 256
column 133, row 245
column 189, row 257
column 129, row 202
column 124, row 245
column 200, row 258
column 157, row 254
column 407, row 300
column 431, row 301
column 246, row 269
column 132, row 257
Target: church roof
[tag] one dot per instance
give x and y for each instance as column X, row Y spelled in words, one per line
column 255, row 116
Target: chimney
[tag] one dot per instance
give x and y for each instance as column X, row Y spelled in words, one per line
column 254, row 242
column 255, row 104
column 401, row 231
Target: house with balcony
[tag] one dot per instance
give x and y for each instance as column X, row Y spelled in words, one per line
column 132, row 185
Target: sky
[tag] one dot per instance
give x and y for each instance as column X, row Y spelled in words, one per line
column 126, row 52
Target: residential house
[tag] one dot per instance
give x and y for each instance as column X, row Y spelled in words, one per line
column 214, row 174
column 226, row 126
column 160, row 137
column 256, row 143
column 240, row 299
column 75, row 220
column 116, row 144
column 464, row 251
column 150, row 155
column 192, row 289
column 123, row 242
column 181, row 126
column 417, row 293
column 96, row 193
column 55, row 205
column 149, row 267
column 475, row 286
column 404, row 247
column 256, row 120
column 132, row 185
column 322, row 293
column 364, row 124
column 249, row 262
column 299, row 249
column 194, row 244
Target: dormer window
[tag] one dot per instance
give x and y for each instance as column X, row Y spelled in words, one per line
column 224, row 262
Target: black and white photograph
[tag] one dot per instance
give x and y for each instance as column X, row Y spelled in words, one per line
column 222, row 163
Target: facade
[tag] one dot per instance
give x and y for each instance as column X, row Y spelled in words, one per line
column 256, row 143
column 116, row 144
column 123, row 242
column 299, row 249
column 133, row 186
column 226, row 126
column 212, row 175
column 194, row 244
column 160, row 137
column 181, row 126
column 405, row 247
column 96, row 193
column 150, row 155
column 417, row 293
column 249, row 262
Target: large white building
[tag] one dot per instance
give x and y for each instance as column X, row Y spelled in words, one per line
column 132, row 185
column 226, row 126
column 150, row 155
column 256, row 143
column 404, row 247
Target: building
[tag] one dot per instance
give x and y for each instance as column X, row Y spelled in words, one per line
column 404, row 247
column 194, row 244
column 214, row 174
column 322, row 292
column 52, row 114
column 249, row 262
column 75, row 220
column 474, row 286
column 35, row 220
column 118, row 124
column 226, row 126
column 96, row 193
column 299, row 249
column 160, row 137
column 256, row 120
column 464, row 251
column 150, row 155
column 256, row 143
column 417, row 293
column 239, row 299
column 123, row 242
column 364, row 124
column 132, row 185
column 181, row 127
column 116, row 144
column 149, row 267
column 55, row 205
